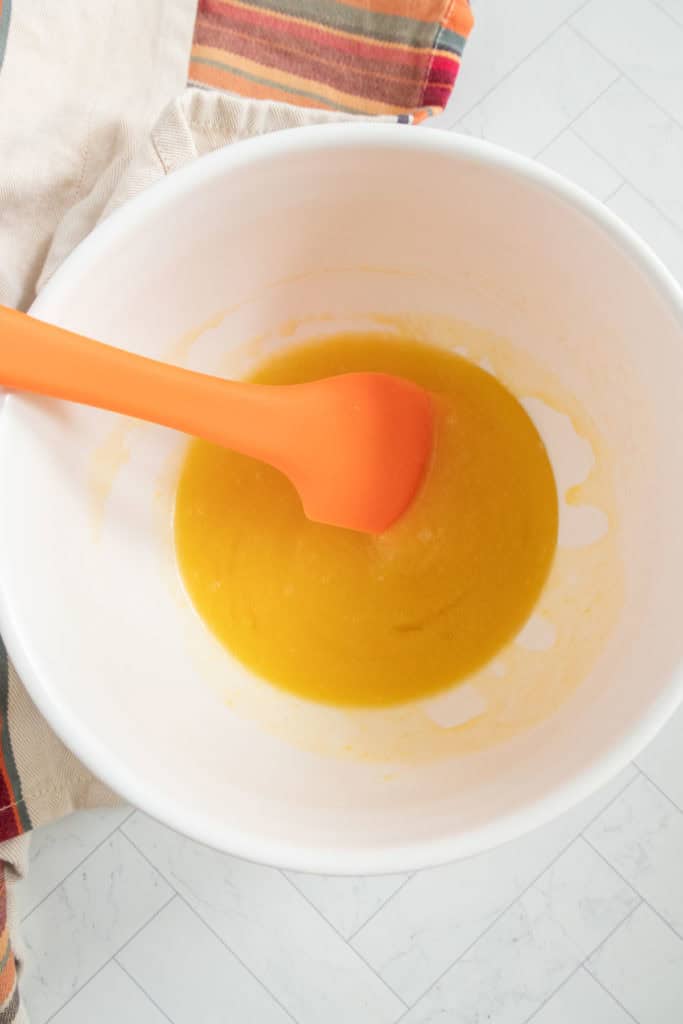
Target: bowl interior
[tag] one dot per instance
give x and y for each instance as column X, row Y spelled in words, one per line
column 252, row 249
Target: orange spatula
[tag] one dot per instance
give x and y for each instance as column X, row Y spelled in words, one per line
column 355, row 446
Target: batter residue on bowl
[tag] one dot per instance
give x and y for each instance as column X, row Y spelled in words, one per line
column 349, row 619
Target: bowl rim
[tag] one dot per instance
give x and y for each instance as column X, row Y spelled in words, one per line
column 334, row 858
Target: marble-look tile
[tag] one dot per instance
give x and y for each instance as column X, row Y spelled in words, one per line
column 110, row 998
column 347, row 903
column 439, row 913
column 662, row 761
column 641, row 141
column 271, row 928
column 643, row 41
column 585, row 896
column 667, row 242
column 57, row 850
column 534, row 947
column 642, row 964
column 570, row 156
column 581, row 1000
column 641, row 835
column 212, row 985
column 504, row 35
column 541, row 97
column 81, row 924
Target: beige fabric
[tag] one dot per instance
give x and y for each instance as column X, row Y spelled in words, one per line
column 195, row 123
column 81, row 80
column 53, row 781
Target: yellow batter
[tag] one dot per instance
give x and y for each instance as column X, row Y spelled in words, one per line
column 350, row 619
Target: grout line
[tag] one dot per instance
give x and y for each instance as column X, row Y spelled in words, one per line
column 599, row 852
column 626, row 882
column 625, row 74
column 550, row 864
column 73, row 994
column 669, row 15
column 144, row 992
column 654, row 204
column 570, row 128
column 613, row 931
column 612, row 995
column 587, row 966
column 583, row 966
column 76, row 867
column 112, row 957
column 636, row 188
column 464, row 113
column 554, row 992
column 144, row 925
column 349, row 938
column 658, row 788
column 576, row 117
column 621, row 792
column 665, row 113
column 606, row 201
column 647, row 903
column 239, row 959
column 213, row 931
column 347, row 941
column 538, row 155
column 374, row 914
column 607, row 938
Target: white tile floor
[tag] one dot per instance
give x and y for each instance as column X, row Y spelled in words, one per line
column 581, row 921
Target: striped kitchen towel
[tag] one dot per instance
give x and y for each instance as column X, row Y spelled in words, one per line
column 9, row 995
column 395, row 57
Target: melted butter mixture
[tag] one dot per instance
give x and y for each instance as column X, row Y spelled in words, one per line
column 348, row 619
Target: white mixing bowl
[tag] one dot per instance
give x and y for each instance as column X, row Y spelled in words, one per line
column 249, row 249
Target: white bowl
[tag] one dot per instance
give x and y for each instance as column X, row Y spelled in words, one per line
column 335, row 224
